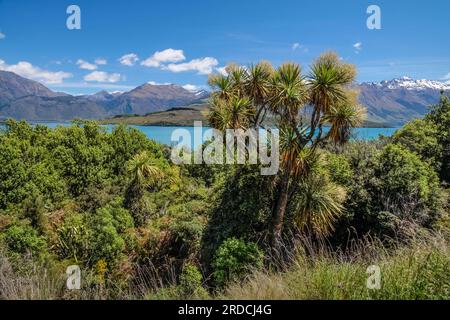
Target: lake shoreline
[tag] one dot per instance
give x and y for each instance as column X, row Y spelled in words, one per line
column 161, row 124
column 163, row 134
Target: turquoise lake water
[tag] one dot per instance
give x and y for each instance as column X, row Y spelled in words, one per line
column 164, row 134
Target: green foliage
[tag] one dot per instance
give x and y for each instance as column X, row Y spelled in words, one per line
column 403, row 174
column 421, row 137
column 190, row 283
column 147, row 174
column 186, row 234
column 339, row 168
column 35, row 160
column 234, row 260
column 241, row 208
column 101, row 236
column 24, row 239
column 189, row 287
column 73, row 239
column 27, row 170
column 440, row 116
column 430, row 138
column 317, row 204
column 390, row 185
column 107, row 234
column 126, row 143
column 80, row 153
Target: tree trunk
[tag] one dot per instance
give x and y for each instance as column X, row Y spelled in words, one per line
column 279, row 211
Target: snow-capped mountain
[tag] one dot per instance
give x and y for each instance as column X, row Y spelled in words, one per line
column 202, row 93
column 399, row 100
column 411, row 84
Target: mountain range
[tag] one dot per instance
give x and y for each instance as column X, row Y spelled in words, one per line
column 400, row 100
column 22, row 98
column 390, row 102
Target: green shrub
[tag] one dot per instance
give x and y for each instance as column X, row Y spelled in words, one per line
column 189, row 287
column 106, row 243
column 429, row 138
column 24, row 239
column 421, row 137
column 235, row 259
column 186, row 233
column 241, row 208
column 190, row 283
column 390, row 185
column 409, row 187
column 73, row 239
column 339, row 168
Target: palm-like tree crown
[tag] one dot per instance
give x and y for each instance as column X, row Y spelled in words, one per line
column 145, row 173
column 288, row 91
column 328, row 81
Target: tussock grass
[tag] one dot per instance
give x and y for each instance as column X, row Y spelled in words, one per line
column 36, row 283
column 419, row 270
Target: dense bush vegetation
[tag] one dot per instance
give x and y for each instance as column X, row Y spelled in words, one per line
column 141, row 227
column 234, row 260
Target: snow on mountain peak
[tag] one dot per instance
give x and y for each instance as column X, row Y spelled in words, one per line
column 411, row 84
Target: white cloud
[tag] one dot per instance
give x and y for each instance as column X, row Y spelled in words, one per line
column 191, row 87
column 27, row 70
column 202, row 66
column 86, row 65
column 169, row 60
column 2, row 36
column 101, row 62
column 154, row 83
column 169, row 55
column 112, row 86
column 296, row 46
column 90, row 85
column 129, row 59
column 446, row 77
column 100, row 76
column 358, row 47
column 159, row 57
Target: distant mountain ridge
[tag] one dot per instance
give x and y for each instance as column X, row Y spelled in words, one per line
column 13, row 87
column 401, row 99
column 411, row 84
column 21, row 98
column 391, row 102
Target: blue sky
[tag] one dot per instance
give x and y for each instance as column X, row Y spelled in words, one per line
column 181, row 41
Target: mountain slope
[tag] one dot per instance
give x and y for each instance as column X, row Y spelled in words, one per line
column 37, row 108
column 21, row 98
column 399, row 100
column 13, row 87
column 151, row 98
column 179, row 116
